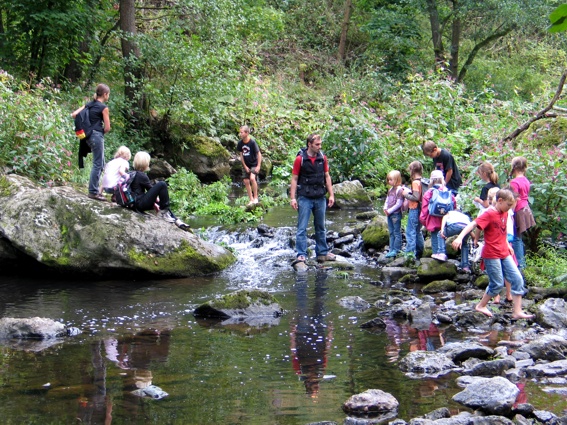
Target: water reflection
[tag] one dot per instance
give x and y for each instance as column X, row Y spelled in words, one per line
column 134, row 355
column 310, row 336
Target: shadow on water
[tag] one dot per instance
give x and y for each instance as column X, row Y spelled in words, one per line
column 142, row 336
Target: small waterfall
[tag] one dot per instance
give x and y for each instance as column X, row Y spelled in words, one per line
column 262, row 252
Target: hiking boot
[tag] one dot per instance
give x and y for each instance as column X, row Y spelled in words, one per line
column 97, row 196
column 166, row 215
column 328, row 257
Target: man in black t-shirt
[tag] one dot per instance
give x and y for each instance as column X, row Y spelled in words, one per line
column 251, row 159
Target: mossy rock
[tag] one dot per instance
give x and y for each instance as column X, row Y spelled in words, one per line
column 430, row 269
column 351, row 194
column 481, row 282
column 437, row 286
column 376, row 234
column 243, row 303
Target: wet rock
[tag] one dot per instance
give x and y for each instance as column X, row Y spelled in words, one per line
column 430, row 269
column 552, row 313
column 440, row 286
column 344, row 240
column 473, row 319
column 354, row 303
column 265, row 230
column 376, row 234
column 428, row 362
column 204, row 156
column 442, row 412
column 367, row 215
column 556, row 368
column 31, row 328
column 375, row 323
column 392, row 274
column 351, row 194
column 461, row 351
column 491, row 368
column 490, row 395
column 61, row 230
column 546, row 347
column 371, row 402
column 240, row 304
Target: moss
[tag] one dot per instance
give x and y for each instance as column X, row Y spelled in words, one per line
column 481, row 282
column 6, row 189
column 376, row 235
column 548, row 133
column 183, row 261
column 242, row 299
column 440, row 286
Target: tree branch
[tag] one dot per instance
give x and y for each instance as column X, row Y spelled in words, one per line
column 479, row 46
column 544, row 113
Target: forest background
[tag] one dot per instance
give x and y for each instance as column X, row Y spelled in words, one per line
column 376, row 78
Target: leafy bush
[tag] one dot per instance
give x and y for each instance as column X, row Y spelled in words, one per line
column 36, row 134
column 544, row 266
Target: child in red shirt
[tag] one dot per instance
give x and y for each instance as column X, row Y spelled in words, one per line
column 497, row 254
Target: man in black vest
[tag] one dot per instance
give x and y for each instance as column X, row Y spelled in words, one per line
column 310, row 181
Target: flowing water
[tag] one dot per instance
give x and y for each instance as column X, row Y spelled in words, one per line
column 297, row 369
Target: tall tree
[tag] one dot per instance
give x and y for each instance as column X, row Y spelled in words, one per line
column 344, row 30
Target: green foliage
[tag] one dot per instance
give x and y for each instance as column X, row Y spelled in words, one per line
column 189, row 196
column 544, row 266
column 37, row 137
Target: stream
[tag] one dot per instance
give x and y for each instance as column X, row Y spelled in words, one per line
column 297, row 369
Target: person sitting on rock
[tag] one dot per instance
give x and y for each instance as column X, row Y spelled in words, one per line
column 150, row 196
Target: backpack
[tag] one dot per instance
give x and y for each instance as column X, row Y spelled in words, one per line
column 405, row 204
column 123, row 193
column 441, row 202
column 83, row 128
column 424, row 186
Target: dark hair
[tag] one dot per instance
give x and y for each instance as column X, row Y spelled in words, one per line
column 519, row 163
column 428, row 147
column 312, row 138
column 415, row 167
column 101, row 90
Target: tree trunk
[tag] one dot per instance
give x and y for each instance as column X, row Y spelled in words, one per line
column 455, row 41
column 132, row 70
column 436, row 34
column 344, row 30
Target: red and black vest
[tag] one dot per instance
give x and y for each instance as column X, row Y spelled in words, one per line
column 311, row 181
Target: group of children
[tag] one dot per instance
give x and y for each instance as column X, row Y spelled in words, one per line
column 504, row 215
column 147, row 196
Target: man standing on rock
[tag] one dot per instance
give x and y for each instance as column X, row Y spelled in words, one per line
column 310, row 181
column 251, row 159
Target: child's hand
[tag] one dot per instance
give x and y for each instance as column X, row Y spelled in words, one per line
column 386, row 212
column 457, row 243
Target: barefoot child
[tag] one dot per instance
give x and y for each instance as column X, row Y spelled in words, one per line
column 497, row 254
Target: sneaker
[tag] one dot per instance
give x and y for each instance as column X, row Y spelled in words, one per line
column 166, row 215
column 182, row 225
column 466, row 270
column 392, row 254
column 439, row 257
column 325, row 258
column 255, row 201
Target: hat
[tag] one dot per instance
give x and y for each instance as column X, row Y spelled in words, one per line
column 436, row 174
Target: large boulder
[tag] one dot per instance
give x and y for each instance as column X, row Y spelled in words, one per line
column 351, row 194
column 204, row 156
column 59, row 229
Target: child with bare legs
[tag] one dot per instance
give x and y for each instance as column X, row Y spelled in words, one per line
column 497, row 255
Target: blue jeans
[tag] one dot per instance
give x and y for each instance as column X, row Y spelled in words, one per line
column 96, row 143
column 305, row 207
column 414, row 237
column 498, row 270
column 518, row 245
column 455, row 229
column 437, row 242
column 395, row 230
